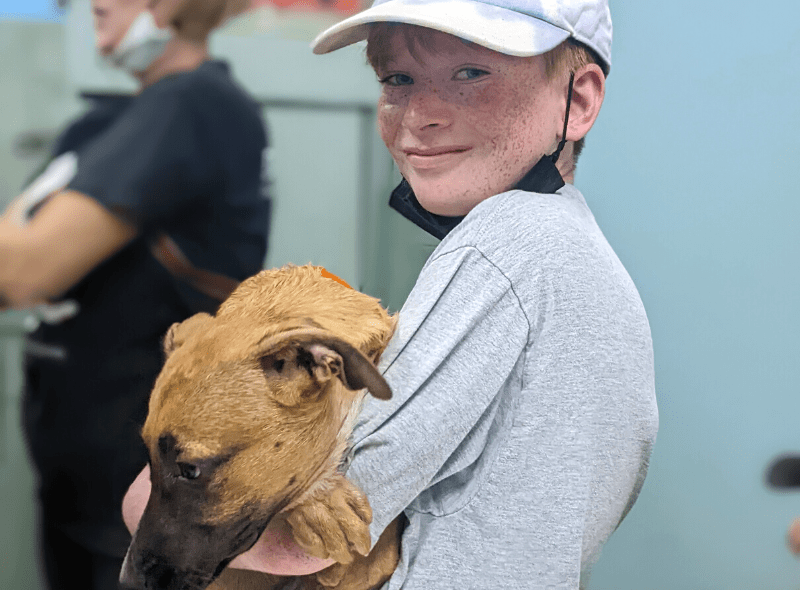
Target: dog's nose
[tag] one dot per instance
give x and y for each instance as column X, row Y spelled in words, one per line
column 159, row 577
column 152, row 576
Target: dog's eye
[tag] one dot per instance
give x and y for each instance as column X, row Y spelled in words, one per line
column 189, row 471
column 278, row 365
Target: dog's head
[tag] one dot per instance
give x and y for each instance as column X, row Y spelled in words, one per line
column 253, row 406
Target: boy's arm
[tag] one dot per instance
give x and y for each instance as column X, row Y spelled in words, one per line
column 459, row 341
column 275, row 552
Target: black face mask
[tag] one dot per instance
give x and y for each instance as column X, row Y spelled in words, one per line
column 543, row 178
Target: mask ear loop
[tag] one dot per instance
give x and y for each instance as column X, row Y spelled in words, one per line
column 562, row 143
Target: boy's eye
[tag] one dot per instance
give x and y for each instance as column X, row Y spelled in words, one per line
column 470, row 74
column 397, row 80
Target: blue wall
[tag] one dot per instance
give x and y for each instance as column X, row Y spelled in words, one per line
column 693, row 172
column 30, row 10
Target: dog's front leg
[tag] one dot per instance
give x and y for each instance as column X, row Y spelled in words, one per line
column 366, row 572
column 333, row 521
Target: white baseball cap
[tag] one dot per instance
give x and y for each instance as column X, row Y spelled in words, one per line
column 513, row 27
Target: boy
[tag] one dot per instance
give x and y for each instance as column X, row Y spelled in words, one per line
column 524, row 412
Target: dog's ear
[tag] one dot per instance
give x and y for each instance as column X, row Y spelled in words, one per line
column 323, row 356
column 179, row 332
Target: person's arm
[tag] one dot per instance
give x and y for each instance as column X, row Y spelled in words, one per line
column 276, row 552
column 69, row 236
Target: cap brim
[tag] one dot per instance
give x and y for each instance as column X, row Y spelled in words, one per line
column 503, row 30
column 784, row 472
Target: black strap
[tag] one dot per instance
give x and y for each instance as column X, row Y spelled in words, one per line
column 563, row 141
column 211, row 284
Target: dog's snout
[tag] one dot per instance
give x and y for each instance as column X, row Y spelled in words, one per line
column 155, row 575
column 161, row 576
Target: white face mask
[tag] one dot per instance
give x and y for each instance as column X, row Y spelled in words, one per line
column 141, row 45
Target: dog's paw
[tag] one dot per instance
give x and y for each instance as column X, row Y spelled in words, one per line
column 370, row 571
column 331, row 576
column 333, row 523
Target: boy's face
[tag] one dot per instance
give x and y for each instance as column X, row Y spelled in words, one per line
column 463, row 122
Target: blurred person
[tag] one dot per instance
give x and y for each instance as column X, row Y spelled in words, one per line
column 782, row 474
column 793, row 537
column 152, row 207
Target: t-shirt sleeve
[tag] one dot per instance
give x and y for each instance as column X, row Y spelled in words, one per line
column 150, row 163
column 460, row 336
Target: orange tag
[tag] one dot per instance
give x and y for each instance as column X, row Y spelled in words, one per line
column 328, row 275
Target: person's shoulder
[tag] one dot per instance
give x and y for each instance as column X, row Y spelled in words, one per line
column 100, row 113
column 209, row 87
column 213, row 84
column 534, row 222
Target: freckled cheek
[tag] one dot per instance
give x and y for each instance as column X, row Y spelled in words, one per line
column 390, row 116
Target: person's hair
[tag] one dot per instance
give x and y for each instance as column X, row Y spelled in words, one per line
column 569, row 56
column 198, row 18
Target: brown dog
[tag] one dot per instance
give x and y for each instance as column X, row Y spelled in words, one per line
column 250, row 418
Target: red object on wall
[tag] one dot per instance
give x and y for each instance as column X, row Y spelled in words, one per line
column 343, row 6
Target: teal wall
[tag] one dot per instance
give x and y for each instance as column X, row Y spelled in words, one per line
column 692, row 171
column 34, row 98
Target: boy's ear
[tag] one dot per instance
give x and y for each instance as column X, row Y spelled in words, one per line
column 588, row 91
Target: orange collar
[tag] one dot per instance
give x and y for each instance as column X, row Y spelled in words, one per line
column 328, row 275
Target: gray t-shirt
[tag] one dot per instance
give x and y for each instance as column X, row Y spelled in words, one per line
column 524, row 409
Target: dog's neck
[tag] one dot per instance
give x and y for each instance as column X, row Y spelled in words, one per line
column 344, row 411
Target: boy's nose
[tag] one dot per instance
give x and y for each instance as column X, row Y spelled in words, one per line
column 426, row 109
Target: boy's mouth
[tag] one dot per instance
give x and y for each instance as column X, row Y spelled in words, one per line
column 434, row 157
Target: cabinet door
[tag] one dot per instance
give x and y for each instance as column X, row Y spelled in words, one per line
column 315, row 173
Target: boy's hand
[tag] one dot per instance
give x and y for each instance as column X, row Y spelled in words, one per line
column 333, row 523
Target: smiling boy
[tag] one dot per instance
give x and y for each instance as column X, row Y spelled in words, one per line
column 524, row 410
